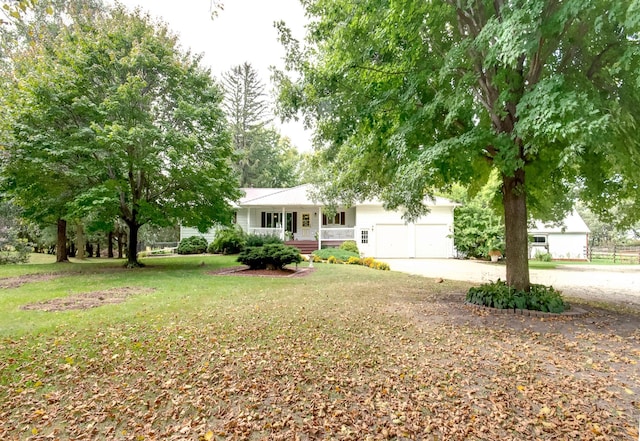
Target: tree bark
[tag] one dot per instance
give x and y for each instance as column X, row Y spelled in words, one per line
column 516, row 234
column 120, row 244
column 61, row 242
column 110, row 245
column 132, row 255
column 97, row 249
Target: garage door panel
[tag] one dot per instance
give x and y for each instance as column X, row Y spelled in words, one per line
column 391, row 241
column 432, row 241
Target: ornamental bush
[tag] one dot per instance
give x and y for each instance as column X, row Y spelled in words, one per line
column 257, row 240
column 343, row 255
column 269, row 256
column 350, row 245
column 228, row 241
column 192, row 245
column 502, row 296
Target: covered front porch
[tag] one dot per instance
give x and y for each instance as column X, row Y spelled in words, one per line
column 307, row 228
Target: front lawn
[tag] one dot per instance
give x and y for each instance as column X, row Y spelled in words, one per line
column 346, row 353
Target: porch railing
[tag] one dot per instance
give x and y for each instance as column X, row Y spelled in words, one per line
column 267, row 231
column 338, row 234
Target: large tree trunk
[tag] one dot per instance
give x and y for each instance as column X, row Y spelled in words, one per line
column 120, row 244
column 516, row 234
column 110, row 245
column 61, row 242
column 132, row 255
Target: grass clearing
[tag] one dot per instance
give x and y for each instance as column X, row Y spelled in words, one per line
column 344, row 353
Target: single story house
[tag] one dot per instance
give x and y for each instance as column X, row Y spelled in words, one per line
column 568, row 239
column 290, row 213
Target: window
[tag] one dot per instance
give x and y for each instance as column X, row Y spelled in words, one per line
column 271, row 220
column 338, row 219
column 364, row 236
column 306, row 220
column 539, row 240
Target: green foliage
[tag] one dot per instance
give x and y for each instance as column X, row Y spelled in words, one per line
column 269, row 256
column 343, row 255
column 258, row 240
column 264, row 158
column 192, row 245
column 409, row 99
column 350, row 245
column 228, row 241
column 543, row 257
column 502, row 296
column 108, row 120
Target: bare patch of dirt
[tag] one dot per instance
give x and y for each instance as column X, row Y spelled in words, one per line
column 88, row 300
column 16, row 282
column 245, row 271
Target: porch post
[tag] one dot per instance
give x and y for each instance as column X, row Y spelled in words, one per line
column 284, row 223
column 319, row 228
column 249, row 220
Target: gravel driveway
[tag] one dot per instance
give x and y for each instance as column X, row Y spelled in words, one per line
column 617, row 283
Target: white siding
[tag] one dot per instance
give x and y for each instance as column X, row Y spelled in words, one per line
column 189, row 231
column 391, row 237
column 567, row 245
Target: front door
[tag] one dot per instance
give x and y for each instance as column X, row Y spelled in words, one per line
column 291, row 224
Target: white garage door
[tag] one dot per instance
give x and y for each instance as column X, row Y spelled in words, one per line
column 392, row 241
column 406, row 241
column 432, row 241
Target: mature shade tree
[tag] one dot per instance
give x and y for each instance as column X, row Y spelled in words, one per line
column 118, row 106
column 263, row 157
column 38, row 186
column 407, row 97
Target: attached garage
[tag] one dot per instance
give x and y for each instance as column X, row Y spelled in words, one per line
column 412, row 240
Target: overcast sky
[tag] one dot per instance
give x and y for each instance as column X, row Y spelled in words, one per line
column 242, row 31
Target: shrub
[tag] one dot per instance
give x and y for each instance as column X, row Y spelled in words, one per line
column 228, row 241
column 192, row 245
column 269, row 256
column 343, row 255
column 354, row 261
column 368, row 261
column 256, row 240
column 382, row 266
column 502, row 296
column 350, row 245
column 331, row 259
column 543, row 257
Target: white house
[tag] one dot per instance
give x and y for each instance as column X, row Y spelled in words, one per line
column 568, row 239
column 290, row 213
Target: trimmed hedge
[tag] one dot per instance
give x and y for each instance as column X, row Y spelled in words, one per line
column 502, row 296
column 192, row 245
column 343, row 255
column 257, row 240
column 269, row 256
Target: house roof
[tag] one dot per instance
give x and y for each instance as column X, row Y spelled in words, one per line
column 573, row 223
column 299, row 197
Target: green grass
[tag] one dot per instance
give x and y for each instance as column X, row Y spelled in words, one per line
column 346, row 352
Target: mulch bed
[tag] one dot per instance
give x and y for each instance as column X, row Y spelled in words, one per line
column 16, row 282
column 245, row 271
column 88, row 300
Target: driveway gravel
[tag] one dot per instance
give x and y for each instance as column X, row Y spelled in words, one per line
column 612, row 283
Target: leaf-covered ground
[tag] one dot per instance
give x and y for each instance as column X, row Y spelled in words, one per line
column 346, row 353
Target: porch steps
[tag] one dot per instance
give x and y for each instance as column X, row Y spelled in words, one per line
column 305, row 246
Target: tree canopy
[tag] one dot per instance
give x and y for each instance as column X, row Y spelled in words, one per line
column 123, row 119
column 264, row 158
column 410, row 97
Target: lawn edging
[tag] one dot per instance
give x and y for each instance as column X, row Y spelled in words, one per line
column 572, row 312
